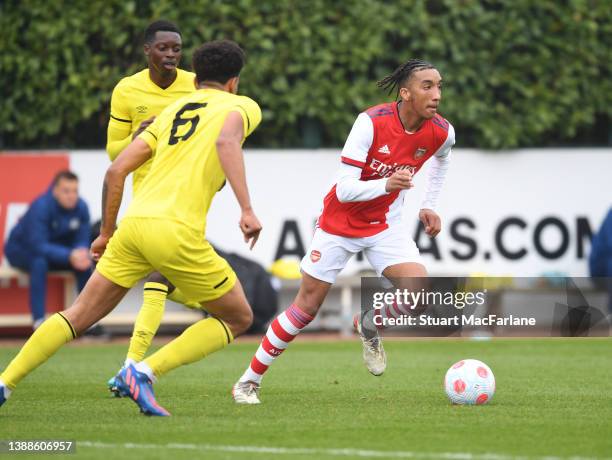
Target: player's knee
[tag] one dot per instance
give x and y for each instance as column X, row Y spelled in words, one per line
column 242, row 322
column 246, row 320
column 311, row 295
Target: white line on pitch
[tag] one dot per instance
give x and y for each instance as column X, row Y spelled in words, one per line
column 328, row 452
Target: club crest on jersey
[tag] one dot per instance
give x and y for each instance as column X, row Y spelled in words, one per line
column 419, row 152
column 384, row 149
column 142, row 109
column 315, row 256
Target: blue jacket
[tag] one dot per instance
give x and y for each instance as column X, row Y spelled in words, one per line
column 48, row 229
column 600, row 260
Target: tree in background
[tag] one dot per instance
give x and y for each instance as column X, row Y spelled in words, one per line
column 518, row 73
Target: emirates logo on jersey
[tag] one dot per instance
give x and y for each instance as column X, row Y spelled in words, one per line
column 420, row 152
column 142, row 109
column 384, row 170
column 315, row 256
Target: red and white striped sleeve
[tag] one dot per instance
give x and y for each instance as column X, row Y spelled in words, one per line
column 358, row 142
column 349, row 187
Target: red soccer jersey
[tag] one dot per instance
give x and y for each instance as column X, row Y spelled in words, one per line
column 390, row 149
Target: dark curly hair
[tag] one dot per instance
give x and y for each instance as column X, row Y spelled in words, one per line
column 218, row 61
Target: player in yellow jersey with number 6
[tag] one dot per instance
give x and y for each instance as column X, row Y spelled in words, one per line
column 196, row 144
column 135, row 103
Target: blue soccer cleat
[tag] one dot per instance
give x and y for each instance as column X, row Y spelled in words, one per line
column 4, row 392
column 112, row 386
column 2, row 398
column 139, row 388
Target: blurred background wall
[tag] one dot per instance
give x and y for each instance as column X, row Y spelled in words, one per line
column 527, row 86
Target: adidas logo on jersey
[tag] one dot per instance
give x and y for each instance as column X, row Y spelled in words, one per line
column 384, row 149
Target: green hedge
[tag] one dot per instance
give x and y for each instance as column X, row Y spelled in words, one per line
column 517, row 72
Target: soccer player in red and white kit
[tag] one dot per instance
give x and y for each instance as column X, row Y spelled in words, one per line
column 387, row 145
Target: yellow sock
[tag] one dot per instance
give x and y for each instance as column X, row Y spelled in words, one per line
column 148, row 320
column 197, row 341
column 45, row 341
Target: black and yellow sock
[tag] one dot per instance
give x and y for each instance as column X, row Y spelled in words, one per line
column 44, row 342
column 196, row 342
column 148, row 319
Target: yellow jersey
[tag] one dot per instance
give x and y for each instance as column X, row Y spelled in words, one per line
column 186, row 173
column 135, row 99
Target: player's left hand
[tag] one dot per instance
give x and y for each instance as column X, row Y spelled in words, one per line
column 250, row 227
column 98, row 247
column 431, row 222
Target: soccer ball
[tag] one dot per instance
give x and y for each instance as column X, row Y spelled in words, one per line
column 469, row 382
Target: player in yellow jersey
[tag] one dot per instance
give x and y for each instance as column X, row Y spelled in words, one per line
column 136, row 101
column 139, row 98
column 195, row 144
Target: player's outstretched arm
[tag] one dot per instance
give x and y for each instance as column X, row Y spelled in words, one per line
column 112, row 191
column 229, row 149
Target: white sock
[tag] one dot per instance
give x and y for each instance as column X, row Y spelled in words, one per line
column 7, row 391
column 145, row 369
column 129, row 361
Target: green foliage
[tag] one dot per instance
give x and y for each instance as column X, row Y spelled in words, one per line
column 517, row 72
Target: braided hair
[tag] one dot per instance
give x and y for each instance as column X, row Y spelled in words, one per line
column 402, row 73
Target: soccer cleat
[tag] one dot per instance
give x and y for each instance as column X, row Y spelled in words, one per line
column 2, row 397
column 246, row 393
column 112, row 386
column 374, row 354
column 139, row 388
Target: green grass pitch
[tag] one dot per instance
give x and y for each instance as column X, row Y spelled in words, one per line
column 554, row 398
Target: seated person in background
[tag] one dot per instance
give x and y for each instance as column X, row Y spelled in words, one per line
column 52, row 235
column 600, row 260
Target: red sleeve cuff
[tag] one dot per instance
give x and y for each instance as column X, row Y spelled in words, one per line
column 350, row 161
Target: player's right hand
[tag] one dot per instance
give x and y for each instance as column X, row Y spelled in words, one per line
column 399, row 180
column 143, row 126
column 250, row 227
column 98, row 247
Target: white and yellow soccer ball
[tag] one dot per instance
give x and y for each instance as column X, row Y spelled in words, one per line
column 469, row 381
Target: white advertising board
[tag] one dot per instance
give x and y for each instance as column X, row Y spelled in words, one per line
column 518, row 213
